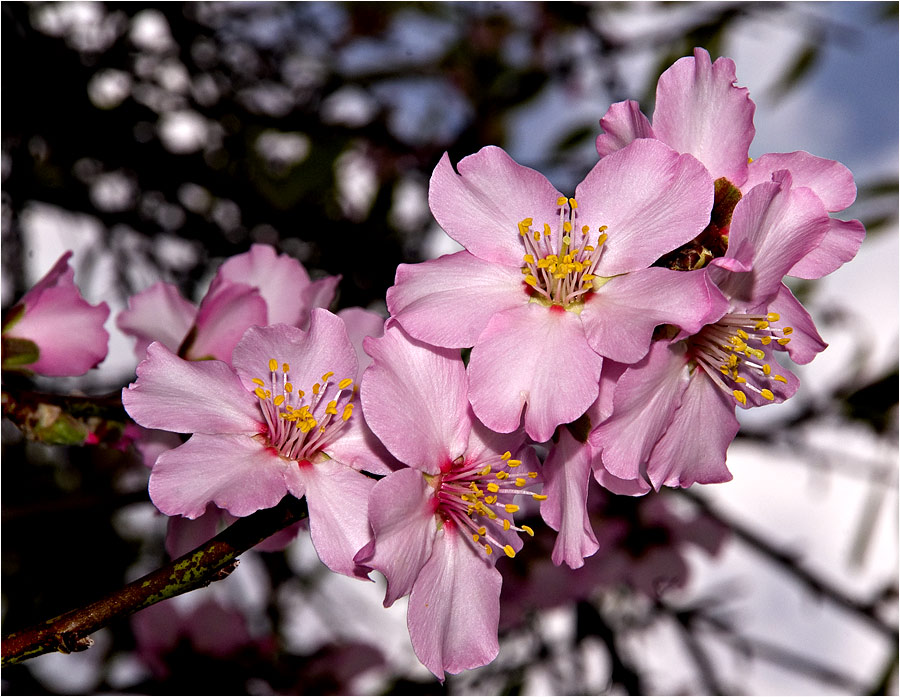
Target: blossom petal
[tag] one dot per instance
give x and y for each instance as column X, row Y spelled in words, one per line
column 805, row 341
column 325, row 348
column 454, row 608
column 361, row 323
column 688, row 453
column 839, row 245
column 567, row 475
column 831, row 181
column 357, row 447
column 700, row 111
column 537, row 356
column 644, row 404
column 623, row 123
column 646, row 215
column 222, row 319
column 620, row 317
column 773, row 227
column 401, row 512
column 236, row 473
column 159, row 313
column 448, row 301
column 337, row 497
column 482, row 206
column 414, row 399
column 190, row 396
column 184, row 534
column 623, row 487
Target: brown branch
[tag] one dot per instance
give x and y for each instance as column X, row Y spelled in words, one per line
column 211, row 561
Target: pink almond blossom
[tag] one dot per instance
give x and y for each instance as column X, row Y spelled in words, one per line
column 699, row 110
column 549, row 286
column 439, row 523
column 279, row 420
column 53, row 330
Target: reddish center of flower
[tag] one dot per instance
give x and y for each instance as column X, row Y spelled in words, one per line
column 478, row 496
column 299, row 425
column 559, row 268
column 735, row 349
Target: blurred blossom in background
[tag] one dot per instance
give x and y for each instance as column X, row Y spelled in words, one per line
column 157, row 141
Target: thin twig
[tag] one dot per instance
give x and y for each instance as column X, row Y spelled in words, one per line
column 211, row 561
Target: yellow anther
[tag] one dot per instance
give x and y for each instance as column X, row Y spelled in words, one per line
column 506, row 455
column 787, row 330
column 502, row 475
column 482, row 530
column 547, row 230
column 528, row 530
column 602, row 228
column 486, row 471
column 285, row 368
column 488, row 550
column 510, row 552
column 768, row 394
column 533, row 475
column 526, row 222
column 740, row 396
column 602, row 239
column 327, row 376
column 475, row 538
column 767, row 369
column 511, row 508
column 348, row 412
column 744, row 335
column 739, row 380
column 784, row 342
column 345, row 383
column 773, row 317
column 529, row 258
column 537, row 236
column 561, row 201
column 540, row 497
column 279, row 400
column 506, row 524
column 288, row 387
column 531, row 280
column 573, row 203
column 493, row 487
column 316, row 388
column 567, row 228
column 762, row 324
column 273, row 365
column 585, row 229
column 490, row 499
column 300, row 393
column 331, row 408
column 260, row 392
column 258, row 382
column 513, row 463
column 520, row 481
column 780, row 378
column 766, row 340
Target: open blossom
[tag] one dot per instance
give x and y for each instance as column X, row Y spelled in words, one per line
column 673, row 412
column 279, row 420
column 439, row 524
column 549, row 286
column 254, row 288
column 700, row 111
column 53, row 330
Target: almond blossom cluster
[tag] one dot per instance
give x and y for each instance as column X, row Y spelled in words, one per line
column 613, row 333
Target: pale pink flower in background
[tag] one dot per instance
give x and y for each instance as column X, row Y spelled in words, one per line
column 65, row 332
column 439, row 524
column 258, row 287
column 280, row 421
column 549, row 286
column 700, row 111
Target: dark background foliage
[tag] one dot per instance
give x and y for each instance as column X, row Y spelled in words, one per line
column 189, row 131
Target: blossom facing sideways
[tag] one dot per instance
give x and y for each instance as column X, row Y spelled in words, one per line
column 279, row 420
column 439, row 524
column 258, row 287
column 699, row 110
column 53, row 330
column 549, row 286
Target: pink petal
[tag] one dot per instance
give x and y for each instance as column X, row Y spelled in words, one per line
column 692, row 450
column 651, row 199
column 805, row 341
column 831, row 181
column 448, row 301
column 361, row 323
column 402, row 515
column 567, row 475
column 623, row 123
column 184, row 534
column 357, row 447
column 414, row 399
column 623, row 487
column 537, row 356
column 324, row 348
column 454, row 608
column 337, row 497
column 644, row 405
column 620, row 317
column 190, row 396
column 839, row 245
column 236, row 473
column 222, row 319
column 482, row 206
column 159, row 313
column 319, row 293
column 700, row 111
column 773, row 227
column 67, row 329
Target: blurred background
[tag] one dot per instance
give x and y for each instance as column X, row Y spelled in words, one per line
column 156, row 140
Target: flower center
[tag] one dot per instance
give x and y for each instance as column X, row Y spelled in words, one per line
column 736, row 353
column 560, row 269
column 300, row 424
column 478, row 496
